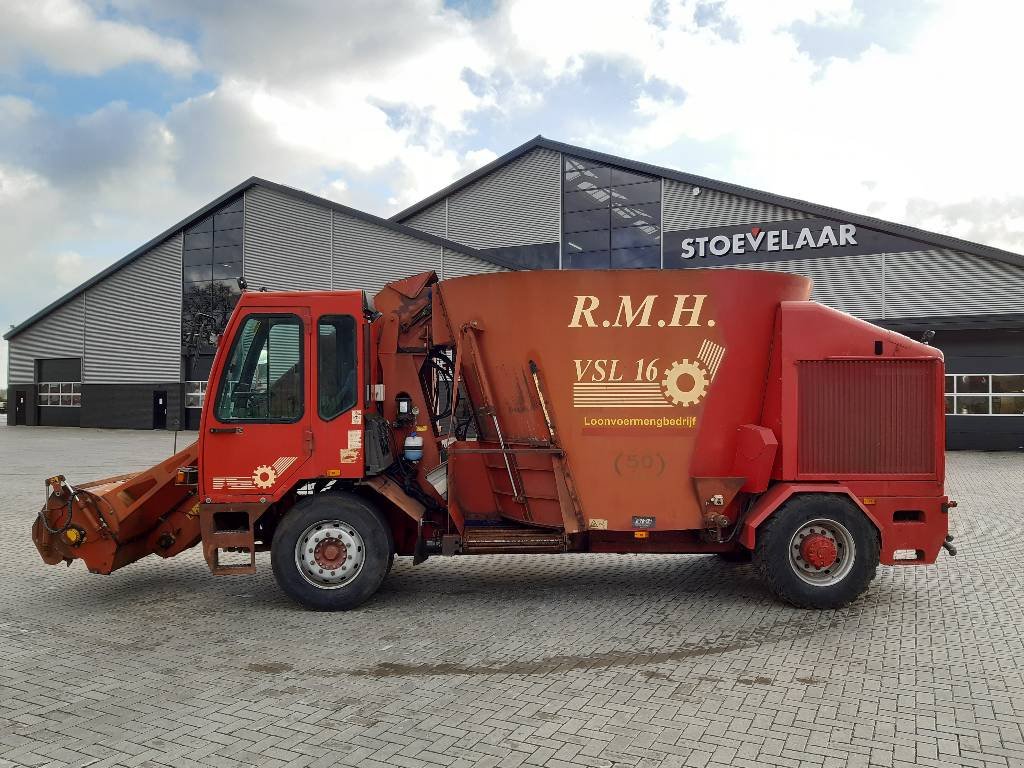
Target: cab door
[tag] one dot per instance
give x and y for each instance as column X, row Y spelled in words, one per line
column 257, row 437
column 340, row 390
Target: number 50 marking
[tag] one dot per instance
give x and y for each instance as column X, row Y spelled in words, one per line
column 634, row 463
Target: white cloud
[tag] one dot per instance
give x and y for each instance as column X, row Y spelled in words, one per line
column 369, row 119
column 70, row 270
column 17, row 183
column 935, row 121
column 72, row 201
column 562, row 35
column 379, row 104
column 428, row 169
column 335, row 124
column 29, row 213
column 923, row 134
column 310, row 90
column 68, row 36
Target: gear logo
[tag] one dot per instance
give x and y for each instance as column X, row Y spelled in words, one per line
column 264, row 477
column 685, row 383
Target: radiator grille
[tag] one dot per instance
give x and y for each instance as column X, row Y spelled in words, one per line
column 867, row 417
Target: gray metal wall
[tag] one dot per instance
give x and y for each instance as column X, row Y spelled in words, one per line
column 432, row 220
column 929, row 283
column 366, row 256
column 287, row 243
column 293, row 244
column 127, row 327
column 943, row 282
column 920, row 283
column 852, row 284
column 518, row 204
column 59, row 334
column 684, row 210
column 459, row 264
column 133, row 321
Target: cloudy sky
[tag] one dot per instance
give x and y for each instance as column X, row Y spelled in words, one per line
column 119, row 118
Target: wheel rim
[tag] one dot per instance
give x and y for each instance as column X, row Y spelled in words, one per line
column 822, row 552
column 330, row 554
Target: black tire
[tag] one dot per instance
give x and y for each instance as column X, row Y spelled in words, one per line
column 782, row 573
column 355, row 514
column 737, row 556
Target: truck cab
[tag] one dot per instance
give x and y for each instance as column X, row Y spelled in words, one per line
column 285, row 408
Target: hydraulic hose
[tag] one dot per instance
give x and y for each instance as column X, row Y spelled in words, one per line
column 72, row 495
column 46, row 524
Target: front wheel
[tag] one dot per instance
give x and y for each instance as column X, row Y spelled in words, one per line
column 817, row 551
column 331, row 552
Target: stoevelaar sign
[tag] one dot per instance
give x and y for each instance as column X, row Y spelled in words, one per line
column 767, row 241
column 776, row 241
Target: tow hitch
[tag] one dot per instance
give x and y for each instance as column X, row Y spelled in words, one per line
column 948, row 543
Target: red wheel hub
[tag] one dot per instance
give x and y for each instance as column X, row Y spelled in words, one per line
column 330, row 554
column 818, row 551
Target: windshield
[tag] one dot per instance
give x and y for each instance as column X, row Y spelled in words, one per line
column 263, row 378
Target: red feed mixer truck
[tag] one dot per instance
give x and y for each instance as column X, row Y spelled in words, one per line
column 693, row 411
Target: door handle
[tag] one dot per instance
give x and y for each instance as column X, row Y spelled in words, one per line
column 225, row 430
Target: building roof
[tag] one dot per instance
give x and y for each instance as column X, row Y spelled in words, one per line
column 822, row 211
column 1003, row 322
column 538, row 142
column 216, row 203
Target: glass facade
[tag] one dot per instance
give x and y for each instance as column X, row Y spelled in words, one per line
column 611, row 218
column 539, row 256
column 60, row 394
column 211, row 266
column 985, row 394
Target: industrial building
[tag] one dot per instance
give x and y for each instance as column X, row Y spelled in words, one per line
column 131, row 347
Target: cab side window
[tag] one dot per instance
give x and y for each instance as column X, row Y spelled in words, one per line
column 336, row 365
column 262, row 381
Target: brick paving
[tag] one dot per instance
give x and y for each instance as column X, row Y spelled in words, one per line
column 584, row 660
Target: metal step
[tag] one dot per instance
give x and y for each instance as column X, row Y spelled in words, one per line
column 479, row 540
column 230, row 537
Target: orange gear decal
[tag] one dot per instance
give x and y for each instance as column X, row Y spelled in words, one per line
column 685, row 383
column 264, row 477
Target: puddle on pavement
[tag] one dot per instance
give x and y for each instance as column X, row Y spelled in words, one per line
column 566, row 663
column 270, row 667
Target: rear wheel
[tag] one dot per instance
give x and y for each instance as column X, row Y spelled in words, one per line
column 331, row 552
column 817, row 551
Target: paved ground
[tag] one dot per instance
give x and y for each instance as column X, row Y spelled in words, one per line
column 505, row 661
